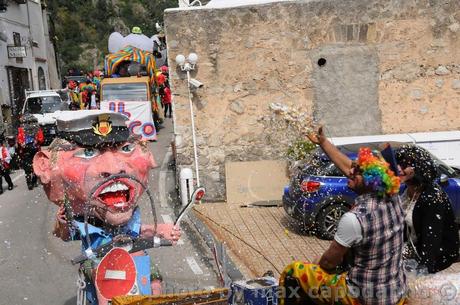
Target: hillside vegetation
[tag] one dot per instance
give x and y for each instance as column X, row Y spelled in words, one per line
column 82, row 27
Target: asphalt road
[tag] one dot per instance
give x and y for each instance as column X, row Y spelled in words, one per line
column 35, row 266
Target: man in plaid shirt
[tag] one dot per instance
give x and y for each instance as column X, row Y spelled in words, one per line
column 372, row 231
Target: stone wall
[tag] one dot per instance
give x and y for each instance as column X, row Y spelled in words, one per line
column 359, row 67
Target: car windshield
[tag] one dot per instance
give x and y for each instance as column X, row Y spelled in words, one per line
column 44, row 104
column 125, row 92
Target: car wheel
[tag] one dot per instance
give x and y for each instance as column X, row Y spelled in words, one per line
column 328, row 218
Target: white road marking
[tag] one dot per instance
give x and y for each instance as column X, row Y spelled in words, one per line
column 161, row 189
column 162, row 179
column 194, row 265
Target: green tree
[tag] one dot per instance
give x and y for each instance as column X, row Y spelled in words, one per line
column 86, row 24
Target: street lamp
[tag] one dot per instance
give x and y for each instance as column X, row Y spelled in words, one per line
column 188, row 64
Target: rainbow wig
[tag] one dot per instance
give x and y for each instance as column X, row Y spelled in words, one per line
column 377, row 174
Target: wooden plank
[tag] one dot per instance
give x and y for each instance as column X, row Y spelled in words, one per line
column 293, row 235
column 315, row 249
column 246, row 249
column 285, row 252
column 286, row 222
column 270, row 256
column 220, row 232
column 237, row 245
column 270, row 248
column 295, row 250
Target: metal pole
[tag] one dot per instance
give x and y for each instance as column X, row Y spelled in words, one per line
column 193, row 129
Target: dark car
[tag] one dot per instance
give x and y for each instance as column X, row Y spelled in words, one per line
column 318, row 194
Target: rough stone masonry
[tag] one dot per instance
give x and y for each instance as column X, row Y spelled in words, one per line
column 360, row 67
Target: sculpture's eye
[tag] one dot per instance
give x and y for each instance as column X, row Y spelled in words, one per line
column 128, row 148
column 87, row 153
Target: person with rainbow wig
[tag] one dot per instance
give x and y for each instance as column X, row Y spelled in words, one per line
column 372, row 231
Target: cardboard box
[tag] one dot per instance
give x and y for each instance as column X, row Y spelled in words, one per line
column 260, row 291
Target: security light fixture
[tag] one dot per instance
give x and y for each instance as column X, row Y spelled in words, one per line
column 188, row 64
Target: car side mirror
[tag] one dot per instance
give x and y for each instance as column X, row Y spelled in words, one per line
column 443, row 178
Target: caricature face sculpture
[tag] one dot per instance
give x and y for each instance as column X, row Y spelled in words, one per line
column 95, row 179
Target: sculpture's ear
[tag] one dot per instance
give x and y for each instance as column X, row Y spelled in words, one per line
column 42, row 166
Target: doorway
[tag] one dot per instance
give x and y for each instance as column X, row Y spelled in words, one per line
column 18, row 82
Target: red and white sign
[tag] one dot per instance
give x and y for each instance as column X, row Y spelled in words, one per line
column 139, row 114
column 115, row 274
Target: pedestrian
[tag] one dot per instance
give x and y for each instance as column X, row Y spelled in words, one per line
column 372, row 231
column 5, row 159
column 93, row 104
column 165, row 72
column 74, row 99
column 432, row 233
column 12, row 149
column 30, row 138
column 165, row 94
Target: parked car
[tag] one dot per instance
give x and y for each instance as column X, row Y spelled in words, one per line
column 318, row 194
column 45, row 105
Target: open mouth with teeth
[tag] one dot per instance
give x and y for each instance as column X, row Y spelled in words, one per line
column 117, row 194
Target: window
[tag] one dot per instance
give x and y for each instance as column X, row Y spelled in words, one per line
column 17, row 43
column 41, row 79
column 16, row 39
column 125, row 92
column 44, row 104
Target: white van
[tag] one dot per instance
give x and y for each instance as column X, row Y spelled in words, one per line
column 45, row 105
column 443, row 144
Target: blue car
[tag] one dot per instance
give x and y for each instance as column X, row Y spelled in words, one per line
column 318, row 194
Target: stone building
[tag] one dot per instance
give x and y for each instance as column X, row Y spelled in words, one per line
column 360, row 67
column 27, row 59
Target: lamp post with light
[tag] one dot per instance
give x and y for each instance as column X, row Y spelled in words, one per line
column 187, row 65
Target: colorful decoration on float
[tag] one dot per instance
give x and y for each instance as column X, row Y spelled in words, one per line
column 112, row 61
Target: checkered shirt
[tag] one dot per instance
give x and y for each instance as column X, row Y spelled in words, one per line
column 377, row 273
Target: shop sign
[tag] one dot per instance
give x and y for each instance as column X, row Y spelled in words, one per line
column 16, row 52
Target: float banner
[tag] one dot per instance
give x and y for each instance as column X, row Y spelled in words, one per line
column 140, row 116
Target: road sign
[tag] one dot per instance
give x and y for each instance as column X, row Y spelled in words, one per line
column 16, row 52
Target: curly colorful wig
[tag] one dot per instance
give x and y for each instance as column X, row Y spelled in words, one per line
column 376, row 173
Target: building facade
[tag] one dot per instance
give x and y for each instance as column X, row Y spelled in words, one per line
column 358, row 67
column 27, row 56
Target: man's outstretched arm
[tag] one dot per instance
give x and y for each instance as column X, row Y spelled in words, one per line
column 340, row 160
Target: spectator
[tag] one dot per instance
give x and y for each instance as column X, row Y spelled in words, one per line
column 431, row 231
column 165, row 72
column 30, row 138
column 5, row 159
column 12, row 149
column 165, row 94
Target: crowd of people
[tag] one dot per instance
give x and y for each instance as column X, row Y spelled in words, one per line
column 84, row 94
column 18, row 152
